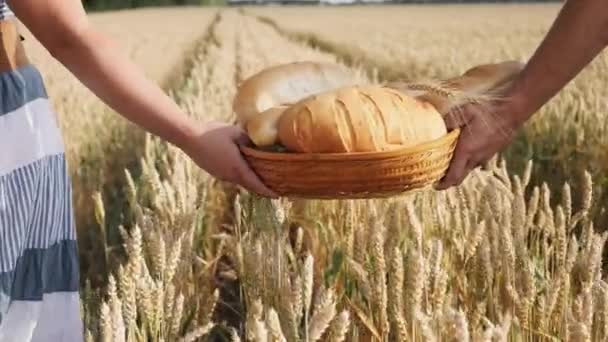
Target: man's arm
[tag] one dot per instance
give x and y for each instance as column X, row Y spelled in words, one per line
column 577, row 36
column 63, row 28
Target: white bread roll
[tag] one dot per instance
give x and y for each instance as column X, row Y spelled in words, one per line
column 358, row 119
column 262, row 129
column 285, row 84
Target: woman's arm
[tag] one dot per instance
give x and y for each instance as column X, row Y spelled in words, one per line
column 577, row 36
column 63, row 28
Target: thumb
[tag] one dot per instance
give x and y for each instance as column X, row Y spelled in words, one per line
column 240, row 137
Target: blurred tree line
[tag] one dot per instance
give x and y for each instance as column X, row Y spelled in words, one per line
column 100, row 5
column 97, row 5
column 466, row 1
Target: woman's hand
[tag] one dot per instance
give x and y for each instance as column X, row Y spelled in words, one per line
column 486, row 129
column 215, row 149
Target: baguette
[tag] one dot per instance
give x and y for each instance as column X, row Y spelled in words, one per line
column 358, row 119
column 286, row 84
column 262, row 129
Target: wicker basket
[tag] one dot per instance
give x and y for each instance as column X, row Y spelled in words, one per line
column 353, row 175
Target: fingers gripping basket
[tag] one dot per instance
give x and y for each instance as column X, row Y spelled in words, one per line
column 353, row 175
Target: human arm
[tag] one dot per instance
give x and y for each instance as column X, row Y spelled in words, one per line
column 578, row 35
column 63, row 28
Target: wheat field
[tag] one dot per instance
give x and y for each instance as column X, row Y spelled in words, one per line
column 169, row 254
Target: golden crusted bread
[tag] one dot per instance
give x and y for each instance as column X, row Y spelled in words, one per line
column 286, row 84
column 358, row 119
column 481, row 82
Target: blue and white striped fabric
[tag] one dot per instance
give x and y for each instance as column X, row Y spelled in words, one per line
column 5, row 12
column 39, row 273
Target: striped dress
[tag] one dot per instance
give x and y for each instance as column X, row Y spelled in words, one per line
column 39, row 299
column 5, row 12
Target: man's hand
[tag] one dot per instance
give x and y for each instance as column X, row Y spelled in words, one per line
column 215, row 148
column 577, row 36
column 486, row 129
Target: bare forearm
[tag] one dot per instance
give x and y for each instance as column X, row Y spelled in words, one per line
column 101, row 67
column 577, row 36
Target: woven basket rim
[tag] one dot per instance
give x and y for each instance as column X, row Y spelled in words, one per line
column 294, row 156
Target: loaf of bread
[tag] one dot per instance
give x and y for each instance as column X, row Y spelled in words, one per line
column 482, row 82
column 285, row 84
column 363, row 118
column 487, row 78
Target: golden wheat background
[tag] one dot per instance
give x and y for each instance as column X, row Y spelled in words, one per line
column 169, row 254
